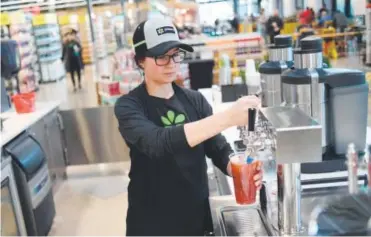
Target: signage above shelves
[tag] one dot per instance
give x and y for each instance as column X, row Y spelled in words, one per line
column 26, row 5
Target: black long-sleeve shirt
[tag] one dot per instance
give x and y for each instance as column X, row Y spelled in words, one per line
column 165, row 170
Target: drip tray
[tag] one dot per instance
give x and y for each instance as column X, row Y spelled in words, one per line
column 243, row 221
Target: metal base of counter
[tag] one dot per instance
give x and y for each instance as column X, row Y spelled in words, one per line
column 92, row 136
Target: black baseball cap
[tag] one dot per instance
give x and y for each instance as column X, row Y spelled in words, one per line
column 156, row 36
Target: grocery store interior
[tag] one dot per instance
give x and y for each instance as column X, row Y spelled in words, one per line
column 65, row 166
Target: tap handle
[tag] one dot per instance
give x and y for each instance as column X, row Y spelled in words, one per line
column 252, row 116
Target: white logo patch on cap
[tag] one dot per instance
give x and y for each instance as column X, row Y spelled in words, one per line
column 165, row 30
column 159, row 30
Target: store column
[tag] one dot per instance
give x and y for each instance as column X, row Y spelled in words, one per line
column 288, row 7
column 236, row 6
column 315, row 4
column 95, row 66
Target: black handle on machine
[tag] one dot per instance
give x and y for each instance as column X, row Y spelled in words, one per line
column 252, row 116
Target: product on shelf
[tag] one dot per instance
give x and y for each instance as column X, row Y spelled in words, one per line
column 86, row 40
column 110, row 88
column 49, row 47
column 18, row 27
column 239, row 48
column 125, row 77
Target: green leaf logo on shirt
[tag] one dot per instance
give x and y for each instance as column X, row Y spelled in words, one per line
column 171, row 119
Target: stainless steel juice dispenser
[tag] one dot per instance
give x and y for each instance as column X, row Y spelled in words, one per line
column 270, row 74
column 280, row 59
column 336, row 98
column 281, row 50
column 276, row 129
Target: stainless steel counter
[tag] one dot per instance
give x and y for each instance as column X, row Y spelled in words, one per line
column 249, row 220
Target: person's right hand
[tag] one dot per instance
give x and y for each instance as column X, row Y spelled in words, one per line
column 238, row 114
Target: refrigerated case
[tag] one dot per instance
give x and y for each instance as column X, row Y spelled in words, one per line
column 12, row 223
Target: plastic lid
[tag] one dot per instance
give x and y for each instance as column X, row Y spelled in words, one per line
column 333, row 77
column 272, row 67
column 339, row 77
column 310, row 44
column 300, row 76
column 283, row 41
column 306, row 33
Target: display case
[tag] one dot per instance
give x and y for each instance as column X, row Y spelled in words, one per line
column 49, row 47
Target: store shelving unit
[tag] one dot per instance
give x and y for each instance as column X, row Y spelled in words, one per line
column 86, row 40
column 49, row 47
column 100, row 42
column 109, row 33
column 18, row 27
column 239, row 48
column 125, row 75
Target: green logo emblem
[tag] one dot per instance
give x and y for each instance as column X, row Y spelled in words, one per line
column 171, row 119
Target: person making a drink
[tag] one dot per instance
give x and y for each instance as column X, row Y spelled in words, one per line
column 169, row 131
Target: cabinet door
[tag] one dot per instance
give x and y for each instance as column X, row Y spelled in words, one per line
column 56, row 147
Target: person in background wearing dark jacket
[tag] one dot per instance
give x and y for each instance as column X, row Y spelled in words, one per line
column 235, row 23
column 72, row 57
column 323, row 9
column 170, row 130
column 274, row 26
column 340, row 21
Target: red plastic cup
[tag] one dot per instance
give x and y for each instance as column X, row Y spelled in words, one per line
column 24, row 103
column 243, row 179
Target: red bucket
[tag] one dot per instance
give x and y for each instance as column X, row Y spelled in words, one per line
column 24, row 103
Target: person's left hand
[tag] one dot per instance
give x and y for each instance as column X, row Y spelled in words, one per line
column 258, row 178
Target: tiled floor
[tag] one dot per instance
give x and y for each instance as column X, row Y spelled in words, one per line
column 94, row 201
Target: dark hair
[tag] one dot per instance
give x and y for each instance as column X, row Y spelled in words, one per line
column 137, row 60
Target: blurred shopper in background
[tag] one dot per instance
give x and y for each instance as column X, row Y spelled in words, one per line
column 340, row 21
column 324, row 17
column 306, row 17
column 235, row 23
column 323, row 9
column 261, row 24
column 274, row 26
column 72, row 57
